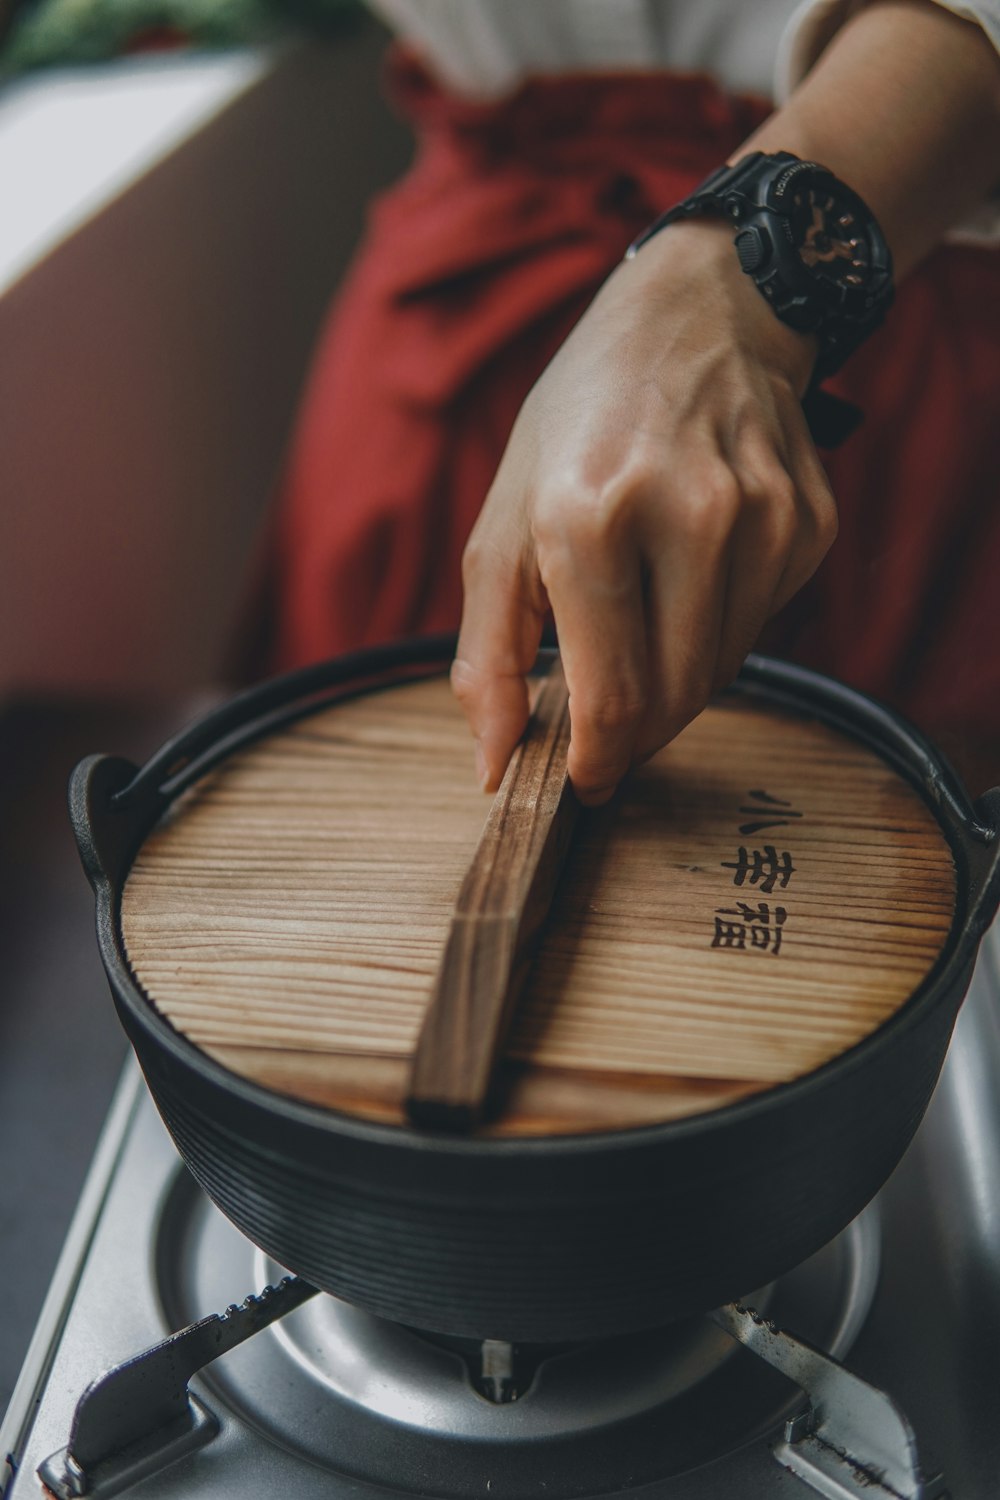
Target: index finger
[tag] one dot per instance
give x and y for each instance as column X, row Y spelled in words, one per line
column 597, row 600
column 502, row 618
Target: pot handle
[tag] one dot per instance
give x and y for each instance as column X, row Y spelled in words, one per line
column 188, row 755
column 113, row 802
column 982, row 852
column 107, row 827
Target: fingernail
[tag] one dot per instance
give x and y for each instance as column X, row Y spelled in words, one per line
column 482, row 770
column 596, row 796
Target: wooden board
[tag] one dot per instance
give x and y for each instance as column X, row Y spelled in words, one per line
column 498, row 916
column 757, row 899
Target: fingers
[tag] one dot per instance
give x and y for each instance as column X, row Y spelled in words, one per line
column 657, row 602
column 773, row 538
column 786, row 523
column 722, row 563
column 817, row 530
column 502, row 622
column 589, row 562
column 688, row 547
column 583, row 563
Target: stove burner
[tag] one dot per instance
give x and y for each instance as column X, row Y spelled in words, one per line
column 375, row 1401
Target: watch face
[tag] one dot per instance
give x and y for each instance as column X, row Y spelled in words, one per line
column 830, row 235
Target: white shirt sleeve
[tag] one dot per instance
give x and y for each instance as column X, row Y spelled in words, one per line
column 813, row 26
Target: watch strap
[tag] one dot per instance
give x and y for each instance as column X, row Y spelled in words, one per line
column 830, row 418
column 709, row 197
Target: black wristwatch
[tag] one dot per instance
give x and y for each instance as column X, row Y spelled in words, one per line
column 812, row 246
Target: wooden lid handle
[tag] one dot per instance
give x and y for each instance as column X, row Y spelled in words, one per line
column 500, row 909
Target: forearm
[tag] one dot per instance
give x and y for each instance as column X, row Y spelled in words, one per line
column 903, row 106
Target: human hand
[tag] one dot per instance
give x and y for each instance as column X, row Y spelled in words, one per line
column 661, row 494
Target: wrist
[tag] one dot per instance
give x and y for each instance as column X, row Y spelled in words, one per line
column 808, row 242
column 702, row 251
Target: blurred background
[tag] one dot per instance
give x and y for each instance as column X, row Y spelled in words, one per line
column 149, row 371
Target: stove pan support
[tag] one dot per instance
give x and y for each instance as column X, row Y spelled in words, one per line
column 851, row 1442
column 139, row 1416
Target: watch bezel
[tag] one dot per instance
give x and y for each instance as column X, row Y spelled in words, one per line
column 836, row 295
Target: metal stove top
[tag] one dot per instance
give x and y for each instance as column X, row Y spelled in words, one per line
column 331, row 1402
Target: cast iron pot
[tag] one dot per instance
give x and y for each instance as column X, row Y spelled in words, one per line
column 540, row 1239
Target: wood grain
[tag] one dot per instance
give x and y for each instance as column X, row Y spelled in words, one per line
column 290, row 913
column 499, row 911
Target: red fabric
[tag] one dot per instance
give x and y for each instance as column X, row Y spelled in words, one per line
column 473, row 271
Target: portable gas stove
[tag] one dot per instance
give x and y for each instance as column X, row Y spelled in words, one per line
column 326, row 1400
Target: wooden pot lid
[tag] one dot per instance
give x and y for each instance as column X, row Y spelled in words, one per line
column 757, row 899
